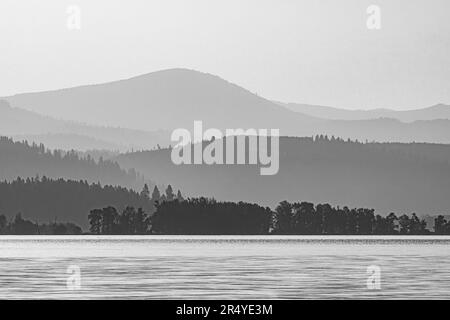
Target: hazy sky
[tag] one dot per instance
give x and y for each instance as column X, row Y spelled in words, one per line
column 307, row 51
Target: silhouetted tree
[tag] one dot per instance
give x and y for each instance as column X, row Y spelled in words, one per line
column 141, row 222
column 156, row 196
column 126, row 220
column 145, row 193
column 22, row 226
column 405, row 224
column 109, row 221
column 304, row 218
column 170, row 196
column 3, row 224
column 440, row 225
column 391, row 223
column 416, row 225
column 283, row 218
column 95, row 220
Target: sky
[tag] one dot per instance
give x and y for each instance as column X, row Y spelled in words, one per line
column 306, row 51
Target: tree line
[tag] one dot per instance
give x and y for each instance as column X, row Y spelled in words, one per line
column 44, row 199
column 305, row 218
column 21, row 226
column 202, row 216
column 103, row 221
column 130, row 221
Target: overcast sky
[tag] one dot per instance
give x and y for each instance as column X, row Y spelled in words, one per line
column 306, row 51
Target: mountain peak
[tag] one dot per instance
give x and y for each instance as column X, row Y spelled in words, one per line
column 175, row 73
column 164, row 99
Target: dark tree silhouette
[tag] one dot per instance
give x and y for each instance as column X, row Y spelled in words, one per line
column 95, row 220
column 179, row 196
column 169, row 193
column 145, row 193
column 20, row 226
column 441, row 226
column 3, row 224
column 203, row 216
column 156, row 196
column 109, row 221
column 284, row 218
column 207, row 216
column 304, row 218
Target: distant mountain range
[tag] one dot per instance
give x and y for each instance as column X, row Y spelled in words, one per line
column 162, row 100
column 66, row 135
column 403, row 178
column 436, row 112
column 174, row 98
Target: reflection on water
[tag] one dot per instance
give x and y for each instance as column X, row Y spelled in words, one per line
column 166, row 267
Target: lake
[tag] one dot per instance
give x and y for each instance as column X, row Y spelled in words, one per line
column 224, row 267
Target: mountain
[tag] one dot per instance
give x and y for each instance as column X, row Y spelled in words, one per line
column 174, row 98
column 390, row 130
column 66, row 135
column 162, row 100
column 19, row 159
column 403, row 178
column 436, row 112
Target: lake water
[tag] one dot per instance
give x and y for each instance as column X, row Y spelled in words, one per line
column 223, row 267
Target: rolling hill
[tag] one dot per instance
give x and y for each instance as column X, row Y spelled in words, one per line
column 161, row 100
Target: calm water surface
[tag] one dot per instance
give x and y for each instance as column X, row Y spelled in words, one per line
column 247, row 267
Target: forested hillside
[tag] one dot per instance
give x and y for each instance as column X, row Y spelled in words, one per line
column 45, row 200
column 20, row 159
column 402, row 178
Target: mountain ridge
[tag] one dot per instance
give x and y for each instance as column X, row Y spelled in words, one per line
column 175, row 98
column 438, row 111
